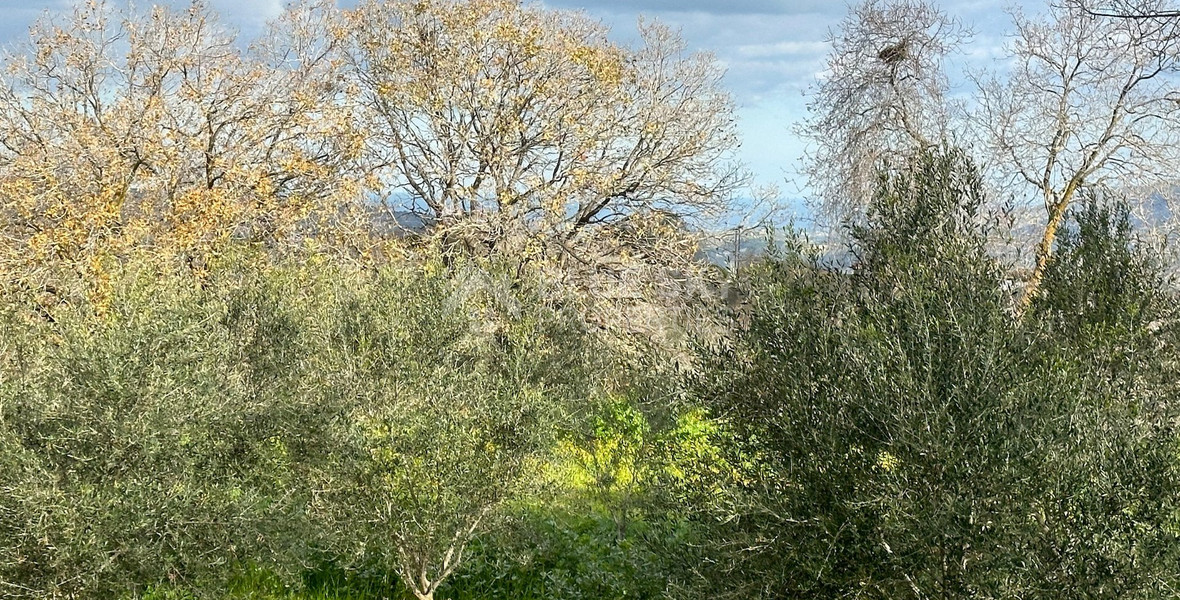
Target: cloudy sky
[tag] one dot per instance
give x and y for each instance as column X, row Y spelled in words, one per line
column 773, row 50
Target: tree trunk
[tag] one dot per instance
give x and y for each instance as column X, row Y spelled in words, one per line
column 1045, row 247
column 423, row 587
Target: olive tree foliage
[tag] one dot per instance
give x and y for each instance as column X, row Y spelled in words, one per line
column 881, row 99
column 899, row 435
column 159, row 441
column 452, row 391
column 22, row 496
column 127, row 129
column 1104, row 331
column 1088, row 102
column 274, row 414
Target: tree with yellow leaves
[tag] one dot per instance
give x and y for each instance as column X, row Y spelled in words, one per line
column 158, row 131
column 498, row 112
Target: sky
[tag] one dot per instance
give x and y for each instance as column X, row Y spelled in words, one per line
column 773, row 51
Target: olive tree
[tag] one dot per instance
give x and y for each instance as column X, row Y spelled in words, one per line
column 453, row 390
column 159, row 440
column 899, row 435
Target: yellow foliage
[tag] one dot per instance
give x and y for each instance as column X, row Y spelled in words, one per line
column 185, row 143
column 887, row 462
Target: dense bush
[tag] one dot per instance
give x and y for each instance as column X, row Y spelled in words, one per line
column 454, row 388
column 1102, row 358
column 893, row 429
column 556, row 551
column 149, row 439
column 904, row 435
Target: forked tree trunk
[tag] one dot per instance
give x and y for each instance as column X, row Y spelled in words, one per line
column 423, row 588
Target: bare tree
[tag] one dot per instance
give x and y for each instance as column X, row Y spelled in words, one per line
column 881, row 98
column 1126, row 9
column 489, row 111
column 1088, row 101
column 525, row 133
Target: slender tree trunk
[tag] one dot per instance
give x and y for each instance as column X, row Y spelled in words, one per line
column 1045, row 247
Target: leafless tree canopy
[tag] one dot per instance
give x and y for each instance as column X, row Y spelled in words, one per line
column 881, row 97
column 494, row 110
column 122, row 129
column 1126, row 9
column 1088, row 102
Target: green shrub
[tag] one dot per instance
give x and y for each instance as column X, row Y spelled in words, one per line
column 151, row 436
column 901, row 434
column 282, row 416
column 566, row 553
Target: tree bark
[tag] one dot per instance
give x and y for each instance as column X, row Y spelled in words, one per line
column 1045, row 247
